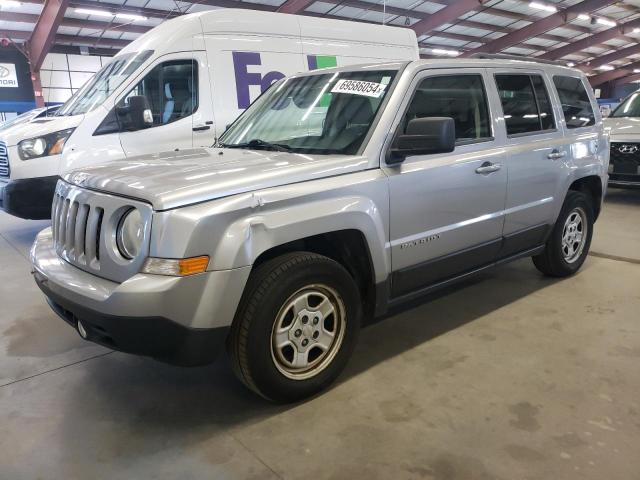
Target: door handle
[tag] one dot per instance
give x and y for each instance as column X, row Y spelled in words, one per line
column 556, row 154
column 200, row 128
column 488, row 167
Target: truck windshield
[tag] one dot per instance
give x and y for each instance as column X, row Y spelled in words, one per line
column 328, row 113
column 629, row 108
column 103, row 83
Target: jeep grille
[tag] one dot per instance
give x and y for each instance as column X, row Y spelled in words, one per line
column 84, row 225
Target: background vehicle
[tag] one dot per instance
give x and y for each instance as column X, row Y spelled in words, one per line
column 177, row 87
column 30, row 115
column 624, row 126
column 336, row 194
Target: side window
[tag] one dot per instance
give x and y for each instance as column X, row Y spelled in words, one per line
column 576, row 105
column 461, row 97
column 544, row 104
column 171, row 89
column 525, row 103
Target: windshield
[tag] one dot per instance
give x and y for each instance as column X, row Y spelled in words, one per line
column 629, row 108
column 322, row 113
column 103, row 83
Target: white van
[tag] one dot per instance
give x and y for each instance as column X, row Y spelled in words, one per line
column 178, row 87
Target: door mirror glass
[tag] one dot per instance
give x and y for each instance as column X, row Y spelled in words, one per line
column 424, row 136
column 135, row 114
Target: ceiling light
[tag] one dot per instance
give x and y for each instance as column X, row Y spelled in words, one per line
column 10, row 3
column 542, row 6
column 636, row 30
column 606, row 21
column 130, row 16
column 90, row 11
column 442, row 51
column 606, row 67
column 571, row 64
column 636, row 70
column 584, row 16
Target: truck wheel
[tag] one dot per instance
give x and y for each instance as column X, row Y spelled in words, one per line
column 568, row 245
column 296, row 326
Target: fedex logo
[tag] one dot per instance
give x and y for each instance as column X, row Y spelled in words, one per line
column 245, row 79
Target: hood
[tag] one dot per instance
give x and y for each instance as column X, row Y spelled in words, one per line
column 176, row 179
column 623, row 126
column 37, row 127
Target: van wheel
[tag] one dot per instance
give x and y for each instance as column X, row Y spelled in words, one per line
column 296, row 326
column 568, row 245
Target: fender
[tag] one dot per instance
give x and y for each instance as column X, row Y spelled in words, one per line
column 234, row 231
column 270, row 229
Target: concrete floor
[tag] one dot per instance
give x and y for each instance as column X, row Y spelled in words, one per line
column 511, row 376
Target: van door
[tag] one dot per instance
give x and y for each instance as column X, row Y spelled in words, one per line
column 177, row 89
column 446, row 210
column 535, row 151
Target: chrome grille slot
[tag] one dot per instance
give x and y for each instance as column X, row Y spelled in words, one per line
column 84, row 225
column 4, row 160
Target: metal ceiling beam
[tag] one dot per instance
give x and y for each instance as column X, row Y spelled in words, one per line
column 592, row 40
column 613, row 74
column 44, row 32
column 78, row 23
column 611, row 57
column 627, row 79
column 447, row 14
column 15, row 34
column 95, row 42
column 294, row 6
column 549, row 22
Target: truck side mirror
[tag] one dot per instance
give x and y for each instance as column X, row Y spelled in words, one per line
column 136, row 114
column 424, row 136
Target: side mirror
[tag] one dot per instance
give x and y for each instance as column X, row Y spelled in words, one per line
column 424, row 136
column 137, row 114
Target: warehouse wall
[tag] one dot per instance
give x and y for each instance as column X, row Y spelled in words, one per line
column 62, row 74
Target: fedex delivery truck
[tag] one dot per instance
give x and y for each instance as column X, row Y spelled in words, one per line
column 177, row 87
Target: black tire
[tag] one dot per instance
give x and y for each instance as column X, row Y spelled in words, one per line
column 269, row 292
column 552, row 261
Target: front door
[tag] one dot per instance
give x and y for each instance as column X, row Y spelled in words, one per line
column 446, row 210
column 177, row 89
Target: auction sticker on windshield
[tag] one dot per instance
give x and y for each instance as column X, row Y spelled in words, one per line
column 359, row 87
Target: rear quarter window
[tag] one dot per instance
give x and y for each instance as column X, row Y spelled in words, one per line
column 575, row 102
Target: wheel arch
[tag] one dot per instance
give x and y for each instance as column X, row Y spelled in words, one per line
column 591, row 186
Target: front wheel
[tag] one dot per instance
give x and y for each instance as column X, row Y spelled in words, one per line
column 569, row 242
column 295, row 327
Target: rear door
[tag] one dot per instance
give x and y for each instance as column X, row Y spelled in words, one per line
column 536, row 150
column 446, row 210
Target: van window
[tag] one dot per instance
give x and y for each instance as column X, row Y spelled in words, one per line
column 525, row 103
column 461, row 97
column 172, row 90
column 576, row 105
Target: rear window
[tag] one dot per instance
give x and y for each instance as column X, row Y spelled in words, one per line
column 576, row 105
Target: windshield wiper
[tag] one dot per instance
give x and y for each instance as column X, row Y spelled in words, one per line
column 258, row 143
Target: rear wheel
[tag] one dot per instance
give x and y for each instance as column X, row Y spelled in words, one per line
column 296, row 326
column 569, row 242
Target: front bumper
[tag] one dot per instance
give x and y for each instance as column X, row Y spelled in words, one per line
column 28, row 198
column 183, row 321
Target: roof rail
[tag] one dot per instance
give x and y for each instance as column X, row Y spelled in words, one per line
column 505, row 56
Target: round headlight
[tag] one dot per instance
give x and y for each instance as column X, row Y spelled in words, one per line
column 130, row 234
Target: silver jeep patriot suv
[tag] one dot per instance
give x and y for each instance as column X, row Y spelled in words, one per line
column 338, row 194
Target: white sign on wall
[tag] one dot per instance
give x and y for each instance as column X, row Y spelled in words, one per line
column 8, row 77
